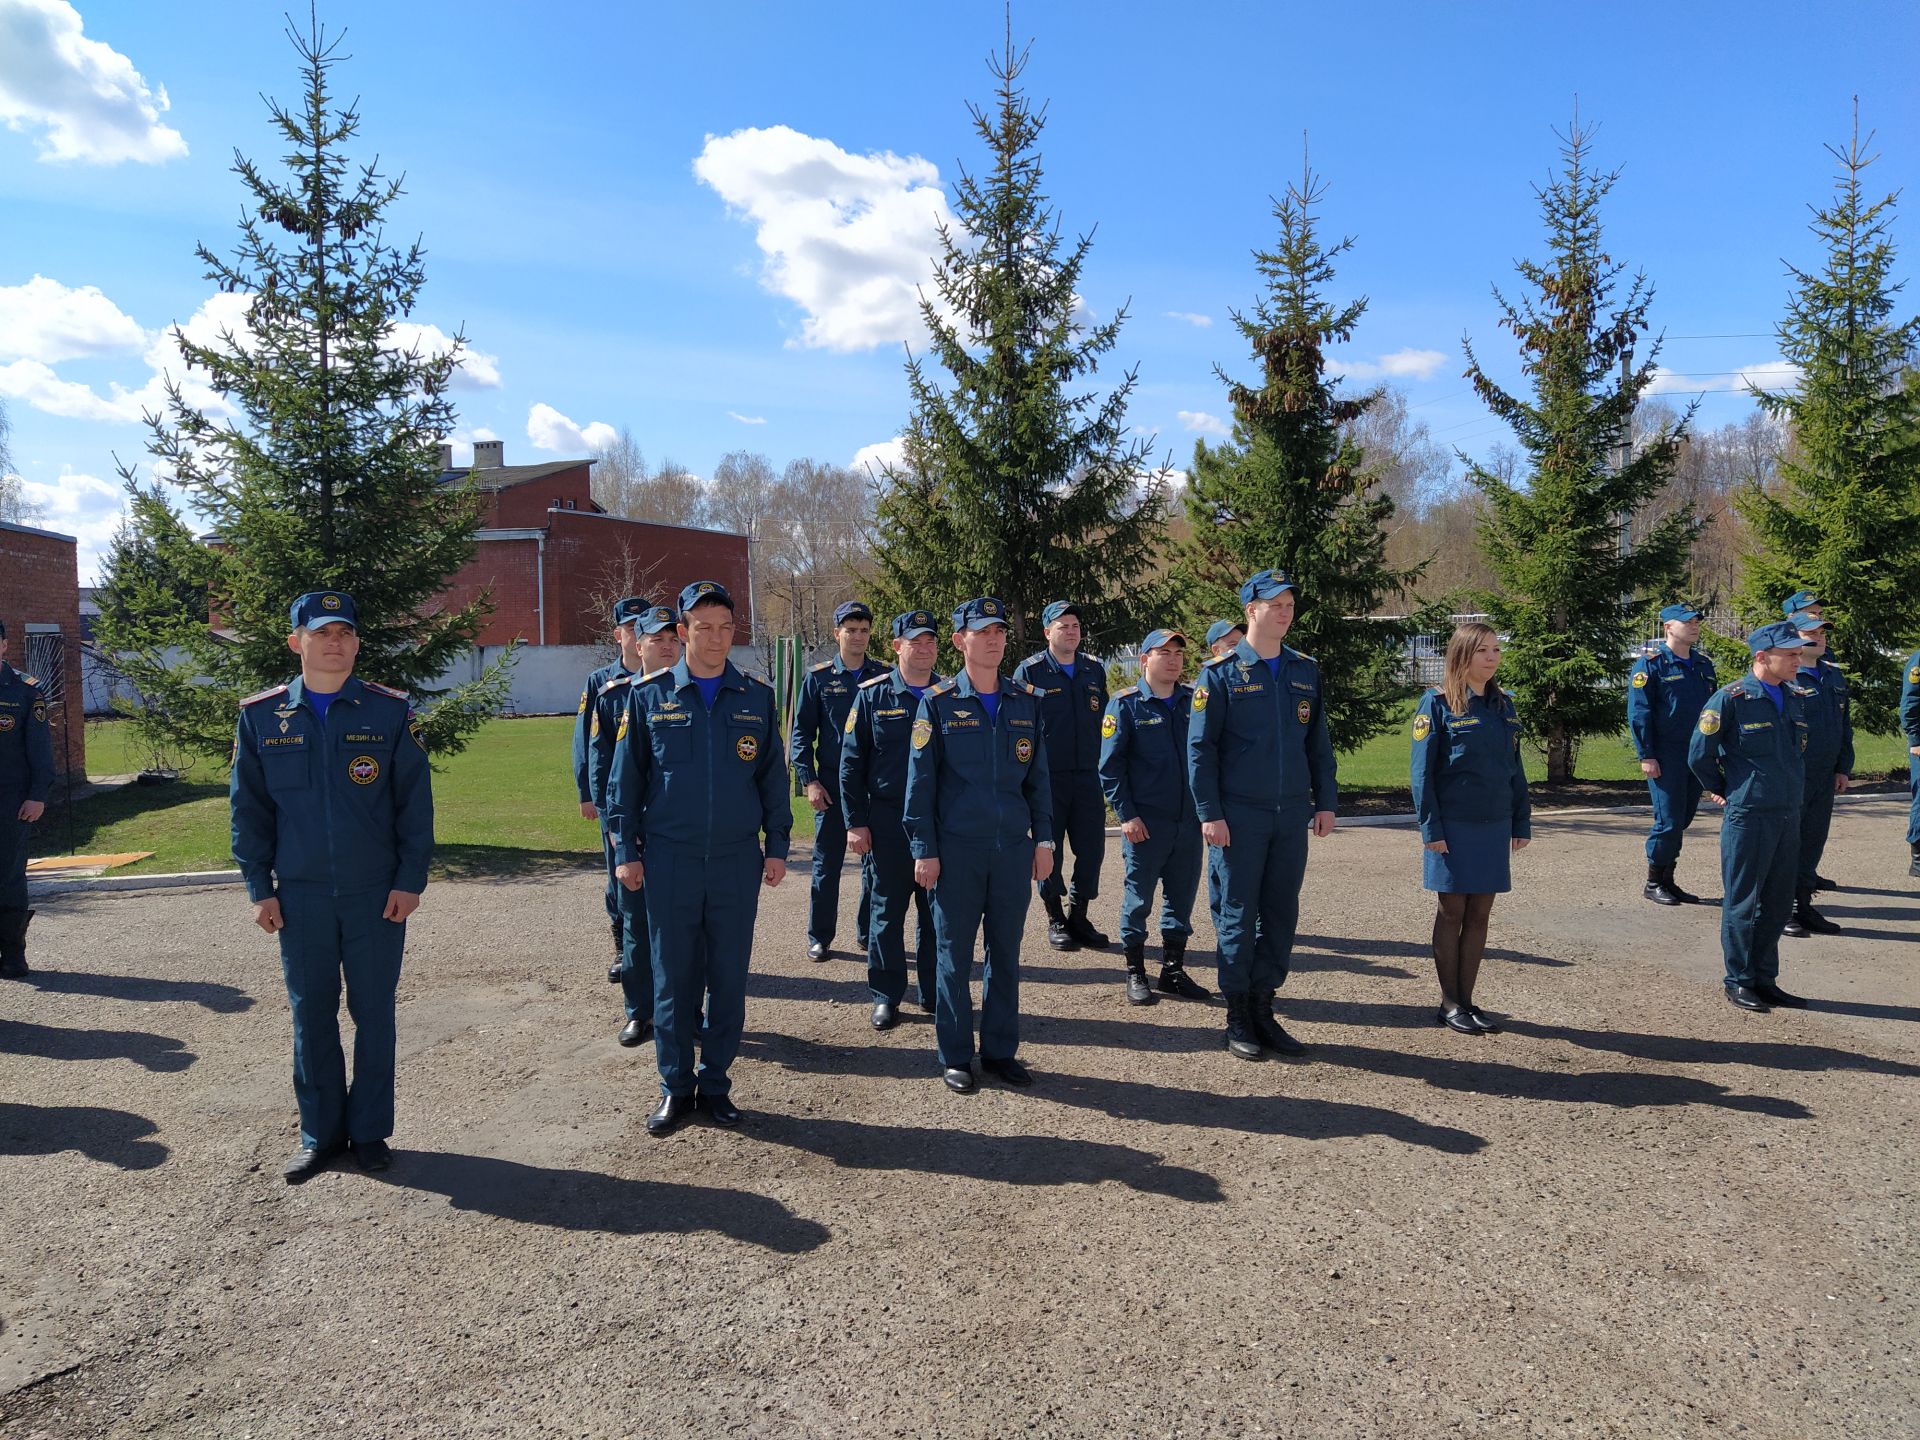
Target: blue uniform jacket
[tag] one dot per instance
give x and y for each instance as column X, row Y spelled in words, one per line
column 26, row 740
column 1070, row 707
column 1910, row 701
column 346, row 802
column 698, row 779
column 1827, row 706
column 1664, row 696
column 876, row 746
column 1143, row 755
column 820, row 718
column 1259, row 740
column 974, row 780
column 1467, row 766
column 583, row 729
column 603, row 724
column 1748, row 752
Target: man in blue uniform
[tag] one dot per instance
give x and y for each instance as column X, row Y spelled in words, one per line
column 1910, row 727
column 1261, row 766
column 1143, row 771
column 26, row 778
column 1073, row 695
column 819, row 720
column 1828, row 708
column 1223, row 636
column 1746, row 751
column 333, row 829
column 873, row 794
column 1664, row 696
column 654, row 644
column 698, row 775
column 624, row 611
column 1801, row 602
column 979, row 815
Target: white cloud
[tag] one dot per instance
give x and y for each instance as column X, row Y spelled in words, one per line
column 84, row 97
column 849, row 238
column 1198, row 321
column 478, row 370
column 873, row 459
column 44, row 320
column 83, row 506
column 746, row 419
column 1406, row 364
column 548, row 429
column 1204, row 423
column 1767, row 374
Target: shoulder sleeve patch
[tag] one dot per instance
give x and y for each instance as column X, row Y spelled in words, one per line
column 265, row 694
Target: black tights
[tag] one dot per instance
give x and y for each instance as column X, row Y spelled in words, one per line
column 1459, row 940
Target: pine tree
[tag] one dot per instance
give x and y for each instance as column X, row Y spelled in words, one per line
column 1553, row 535
column 1014, row 483
column 1292, row 491
column 320, row 469
column 1844, row 519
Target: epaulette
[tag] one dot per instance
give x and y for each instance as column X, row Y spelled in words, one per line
column 265, row 694
column 380, row 689
column 656, row 674
column 1216, row 660
column 617, row 680
column 869, row 684
column 26, row 679
column 761, row 679
column 1083, row 658
column 823, row 665
column 1130, row 690
column 1033, row 690
column 1300, row 655
column 945, row 687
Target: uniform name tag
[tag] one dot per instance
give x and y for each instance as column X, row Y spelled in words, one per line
column 669, row 717
column 1756, row 725
column 1306, row 685
column 1462, row 722
column 949, row 726
column 889, row 714
column 364, row 737
column 1019, row 724
column 273, row 740
column 1253, row 689
column 747, row 717
column 1144, row 720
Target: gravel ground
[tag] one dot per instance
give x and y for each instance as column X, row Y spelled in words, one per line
column 1636, row 1212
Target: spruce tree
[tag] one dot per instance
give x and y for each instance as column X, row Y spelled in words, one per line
column 1844, row 519
column 319, row 471
column 1292, row 491
column 1569, row 586
column 1016, row 483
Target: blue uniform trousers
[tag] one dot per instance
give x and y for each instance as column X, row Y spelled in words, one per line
column 1676, row 800
column 829, row 858
column 616, row 917
column 1080, row 821
column 980, row 886
column 1913, row 808
column 1816, row 820
column 1759, row 856
column 1170, row 858
column 636, row 955
column 894, row 895
column 329, row 938
column 13, row 856
column 1261, row 873
column 700, row 914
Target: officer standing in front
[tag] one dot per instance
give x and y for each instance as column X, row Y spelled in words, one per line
column 1073, row 695
column 333, row 830
column 979, row 816
column 1910, row 727
column 1664, row 696
column 698, row 776
column 1143, row 772
column 1828, row 708
column 1262, row 770
column 624, row 611
column 1747, row 749
column 819, row 720
column 873, row 794
column 26, row 779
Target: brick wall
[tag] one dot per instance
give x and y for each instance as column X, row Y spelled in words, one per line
column 525, row 506
column 508, row 567
column 588, row 554
column 40, row 585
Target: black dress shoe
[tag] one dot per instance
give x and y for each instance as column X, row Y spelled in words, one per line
column 1454, row 1017
column 613, row 973
column 1138, row 991
column 816, row 951
column 1746, row 998
column 1774, row 995
column 885, row 1016
column 308, row 1163
column 720, row 1109
column 1057, row 935
column 1817, row 923
column 959, row 1079
column 1796, row 927
column 1009, row 1070
column 372, row 1155
column 1487, row 1023
column 635, row 1032
column 672, row 1114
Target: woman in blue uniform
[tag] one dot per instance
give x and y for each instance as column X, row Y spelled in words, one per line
column 1470, row 792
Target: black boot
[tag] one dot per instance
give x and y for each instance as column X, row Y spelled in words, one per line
column 1797, row 923
column 1272, row 1033
column 1079, row 928
column 13, row 943
column 1815, row 922
column 1659, row 887
column 1241, row 1040
column 1057, row 934
column 1913, row 866
column 1138, row 991
column 1673, row 888
column 1174, row 979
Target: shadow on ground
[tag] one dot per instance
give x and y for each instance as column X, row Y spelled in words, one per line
column 51, row 1042
column 144, row 989
column 113, row 1137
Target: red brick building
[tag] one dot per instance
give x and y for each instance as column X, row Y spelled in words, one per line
column 552, row 558
column 40, row 603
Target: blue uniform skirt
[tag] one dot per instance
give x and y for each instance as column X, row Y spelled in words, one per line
column 1479, row 859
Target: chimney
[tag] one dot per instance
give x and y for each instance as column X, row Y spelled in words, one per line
column 446, row 458
column 489, row 454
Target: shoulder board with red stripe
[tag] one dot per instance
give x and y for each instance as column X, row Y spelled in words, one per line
column 380, row 689
column 265, row 694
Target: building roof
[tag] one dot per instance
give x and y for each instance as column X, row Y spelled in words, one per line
column 36, row 530
column 505, row 477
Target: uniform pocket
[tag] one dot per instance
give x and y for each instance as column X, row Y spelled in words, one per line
column 286, row 770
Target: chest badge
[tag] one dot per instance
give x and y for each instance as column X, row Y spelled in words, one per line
column 7, row 721
column 1023, row 749
column 747, row 747
column 1093, row 704
column 363, row 769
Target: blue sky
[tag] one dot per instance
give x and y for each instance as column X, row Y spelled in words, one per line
column 704, row 222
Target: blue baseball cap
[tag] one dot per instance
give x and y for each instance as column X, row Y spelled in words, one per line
column 1806, row 620
column 628, row 607
column 1679, row 612
column 705, row 592
column 979, row 613
column 658, row 618
column 1220, row 629
column 1055, row 609
column 324, row 607
column 1156, row 638
column 1799, row 600
column 851, row 610
column 1265, row 585
column 1780, row 635
column 916, row 622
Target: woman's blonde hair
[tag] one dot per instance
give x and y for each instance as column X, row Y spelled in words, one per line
column 1467, row 638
